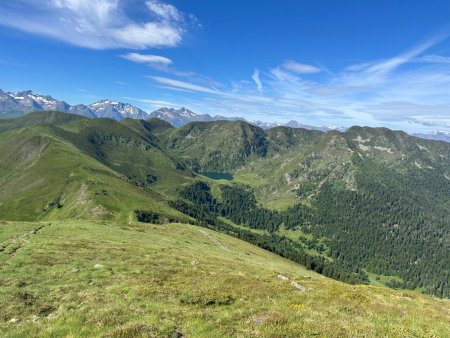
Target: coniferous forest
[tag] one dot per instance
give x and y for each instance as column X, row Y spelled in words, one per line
column 342, row 220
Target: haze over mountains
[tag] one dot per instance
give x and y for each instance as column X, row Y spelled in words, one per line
column 22, row 102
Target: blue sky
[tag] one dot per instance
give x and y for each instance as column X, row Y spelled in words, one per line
column 377, row 63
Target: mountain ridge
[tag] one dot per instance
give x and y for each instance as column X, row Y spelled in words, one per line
column 22, row 102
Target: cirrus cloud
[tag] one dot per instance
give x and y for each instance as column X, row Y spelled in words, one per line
column 147, row 59
column 98, row 24
column 300, row 68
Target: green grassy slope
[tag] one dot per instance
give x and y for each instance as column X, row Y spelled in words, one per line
column 129, row 149
column 98, row 279
column 216, row 146
column 39, row 118
column 47, row 172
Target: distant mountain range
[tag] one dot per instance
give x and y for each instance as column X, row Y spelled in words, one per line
column 19, row 103
column 23, row 102
column 434, row 135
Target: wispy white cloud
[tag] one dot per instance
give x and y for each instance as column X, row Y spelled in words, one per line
column 97, row 24
column 399, row 93
column 183, row 85
column 153, row 103
column 374, row 73
column 434, row 59
column 166, row 65
column 147, row 59
column 255, row 77
column 300, row 68
column 164, row 11
column 176, row 89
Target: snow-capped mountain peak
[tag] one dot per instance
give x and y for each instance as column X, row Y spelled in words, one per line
column 22, row 102
column 117, row 110
column 179, row 117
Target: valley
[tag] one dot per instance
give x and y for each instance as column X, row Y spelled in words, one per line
column 368, row 207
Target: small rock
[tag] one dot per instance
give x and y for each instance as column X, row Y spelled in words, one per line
column 35, row 318
column 73, row 270
column 283, row 277
column 52, row 315
column 298, row 286
column 98, row 266
column 258, row 320
column 307, row 277
column 14, row 320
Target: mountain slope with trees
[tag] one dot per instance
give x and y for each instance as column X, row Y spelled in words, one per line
column 367, row 205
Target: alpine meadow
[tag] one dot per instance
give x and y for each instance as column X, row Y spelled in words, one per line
column 306, row 194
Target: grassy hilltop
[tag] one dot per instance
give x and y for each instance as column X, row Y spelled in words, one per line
column 85, row 279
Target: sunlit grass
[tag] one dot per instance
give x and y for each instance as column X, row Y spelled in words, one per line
column 87, row 279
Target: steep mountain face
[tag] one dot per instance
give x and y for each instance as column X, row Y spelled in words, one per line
column 8, row 105
column 34, row 101
column 117, row 110
column 19, row 103
column 81, row 109
column 27, row 101
column 179, row 117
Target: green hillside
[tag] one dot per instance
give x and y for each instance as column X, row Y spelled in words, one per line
column 366, row 206
column 40, row 118
column 108, row 279
column 216, row 146
column 372, row 200
column 89, row 169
